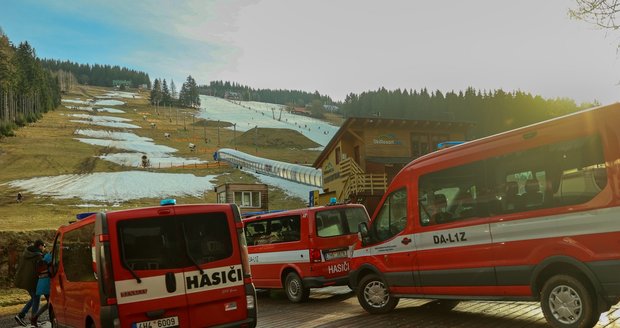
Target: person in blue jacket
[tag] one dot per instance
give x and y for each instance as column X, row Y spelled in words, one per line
column 43, row 286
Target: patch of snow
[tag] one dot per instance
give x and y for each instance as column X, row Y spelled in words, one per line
column 109, row 124
column 117, row 186
column 101, row 134
column 155, row 160
column 109, row 102
column 248, row 114
column 120, row 94
column 131, row 145
column 98, row 118
column 104, row 109
column 77, row 101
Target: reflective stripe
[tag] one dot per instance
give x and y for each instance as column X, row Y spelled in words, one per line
column 553, row 226
column 297, row 256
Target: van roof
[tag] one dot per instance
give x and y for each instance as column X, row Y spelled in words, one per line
column 299, row 211
column 515, row 132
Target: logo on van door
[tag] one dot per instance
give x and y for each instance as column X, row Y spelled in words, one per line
column 338, row 268
column 450, row 238
column 215, row 278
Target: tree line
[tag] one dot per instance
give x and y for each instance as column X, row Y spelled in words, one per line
column 491, row 111
column 27, row 89
column 164, row 95
column 226, row 89
column 98, row 75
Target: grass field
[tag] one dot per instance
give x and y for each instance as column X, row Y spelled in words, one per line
column 47, row 148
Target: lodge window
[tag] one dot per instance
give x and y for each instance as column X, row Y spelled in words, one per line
column 424, row 143
column 248, row 198
column 560, row 174
column 338, row 154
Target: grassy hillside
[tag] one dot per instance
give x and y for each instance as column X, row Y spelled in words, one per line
column 47, row 148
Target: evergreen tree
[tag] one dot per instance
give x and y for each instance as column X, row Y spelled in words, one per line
column 166, row 97
column 156, row 93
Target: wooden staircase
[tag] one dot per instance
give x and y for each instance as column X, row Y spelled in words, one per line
column 356, row 181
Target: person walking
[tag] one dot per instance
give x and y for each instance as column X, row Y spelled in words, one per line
column 26, row 278
column 43, row 286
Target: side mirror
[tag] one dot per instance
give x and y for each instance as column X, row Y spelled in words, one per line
column 362, row 231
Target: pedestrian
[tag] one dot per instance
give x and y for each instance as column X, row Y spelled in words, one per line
column 43, row 286
column 26, row 278
column 19, row 197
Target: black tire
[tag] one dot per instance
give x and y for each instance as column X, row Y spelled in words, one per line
column 567, row 302
column 294, row 288
column 374, row 296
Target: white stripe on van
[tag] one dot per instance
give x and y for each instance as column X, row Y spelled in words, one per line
column 296, row 256
column 151, row 288
column 560, row 225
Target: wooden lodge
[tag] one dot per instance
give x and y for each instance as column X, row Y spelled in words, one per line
column 366, row 153
column 249, row 197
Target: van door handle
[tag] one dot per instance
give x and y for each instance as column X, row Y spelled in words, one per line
column 171, row 282
column 405, row 241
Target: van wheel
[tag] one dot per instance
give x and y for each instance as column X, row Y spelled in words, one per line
column 294, row 288
column 374, row 296
column 567, row 302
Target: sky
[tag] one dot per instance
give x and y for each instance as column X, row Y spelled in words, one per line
column 336, row 47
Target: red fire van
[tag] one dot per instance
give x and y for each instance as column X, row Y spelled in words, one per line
column 304, row 248
column 168, row 266
column 529, row 214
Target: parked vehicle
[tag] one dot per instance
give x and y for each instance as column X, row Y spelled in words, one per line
column 168, row 266
column 529, row 214
column 302, row 249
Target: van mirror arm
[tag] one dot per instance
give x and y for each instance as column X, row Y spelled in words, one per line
column 189, row 255
column 362, row 229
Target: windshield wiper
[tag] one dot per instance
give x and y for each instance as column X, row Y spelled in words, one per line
column 133, row 273
column 187, row 250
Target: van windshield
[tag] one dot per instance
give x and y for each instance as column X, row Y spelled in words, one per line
column 337, row 222
column 158, row 243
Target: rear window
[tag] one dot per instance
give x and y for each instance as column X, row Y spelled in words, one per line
column 168, row 243
column 337, row 222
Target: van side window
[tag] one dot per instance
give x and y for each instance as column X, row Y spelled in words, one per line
column 77, row 256
column 559, row 174
column 277, row 230
column 454, row 194
column 392, row 218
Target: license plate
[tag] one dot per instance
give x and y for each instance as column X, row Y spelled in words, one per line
column 159, row 323
column 336, row 255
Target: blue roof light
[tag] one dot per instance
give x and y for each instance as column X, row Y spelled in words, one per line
column 333, row 201
column 84, row 215
column 169, row 201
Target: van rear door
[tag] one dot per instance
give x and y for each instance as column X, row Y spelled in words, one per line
column 336, row 233
column 149, row 269
column 214, row 283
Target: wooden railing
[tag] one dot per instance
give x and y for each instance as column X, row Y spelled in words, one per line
column 356, row 181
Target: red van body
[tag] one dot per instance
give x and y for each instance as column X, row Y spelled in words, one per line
column 168, row 266
column 304, row 248
column 529, row 214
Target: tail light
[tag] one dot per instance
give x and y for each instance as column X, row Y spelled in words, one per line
column 315, row 255
column 106, row 276
column 243, row 248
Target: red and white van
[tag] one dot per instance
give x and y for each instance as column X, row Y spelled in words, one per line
column 168, row 266
column 529, row 214
column 304, row 248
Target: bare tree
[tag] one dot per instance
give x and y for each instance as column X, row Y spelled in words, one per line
column 601, row 13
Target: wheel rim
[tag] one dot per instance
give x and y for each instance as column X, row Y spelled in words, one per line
column 294, row 286
column 375, row 294
column 565, row 304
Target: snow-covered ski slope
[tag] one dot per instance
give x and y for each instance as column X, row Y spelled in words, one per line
column 249, row 114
